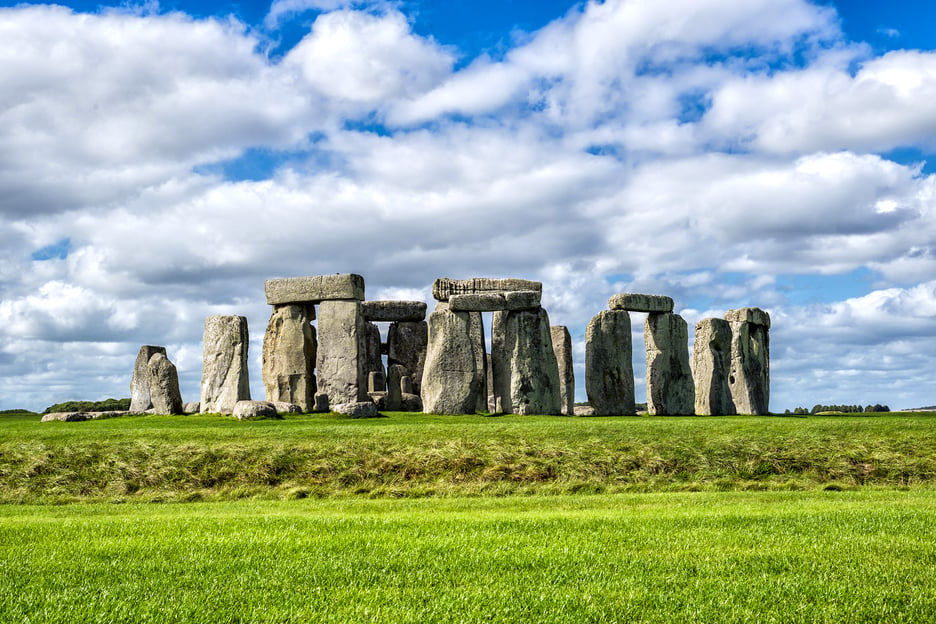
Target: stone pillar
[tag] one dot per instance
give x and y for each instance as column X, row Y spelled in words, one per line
column 479, row 349
column 373, row 362
column 526, row 376
column 452, row 381
column 140, row 399
column 395, row 375
column 711, row 365
column 749, row 377
column 289, row 349
column 224, row 369
column 670, row 391
column 406, row 345
column 609, row 368
column 562, row 347
column 164, row 385
column 340, row 356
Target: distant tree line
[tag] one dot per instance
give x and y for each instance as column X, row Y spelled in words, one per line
column 845, row 409
column 107, row 405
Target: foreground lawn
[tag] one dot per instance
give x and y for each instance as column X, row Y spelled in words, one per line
column 866, row 556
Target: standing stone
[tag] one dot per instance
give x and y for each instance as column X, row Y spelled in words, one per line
column 562, row 347
column 749, row 377
column 489, row 376
column 479, row 349
column 395, row 376
column 140, row 400
column 711, row 365
column 289, row 347
column 406, row 345
column 373, row 362
column 452, row 382
column 670, row 391
column 526, row 376
column 164, row 385
column 341, row 351
column 224, row 368
column 376, row 382
column 321, row 403
column 609, row 368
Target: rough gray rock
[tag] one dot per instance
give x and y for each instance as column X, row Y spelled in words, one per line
column 749, row 377
column 444, row 287
column 65, row 417
column 373, row 361
column 357, row 409
column 526, row 376
column 379, row 399
column 406, row 345
column 609, row 367
column 395, row 387
column 321, row 403
column 411, row 403
column 711, row 365
column 376, row 382
column 164, row 385
column 562, row 347
column 284, row 407
column 224, row 379
column 192, row 407
column 394, row 311
column 314, row 289
column 139, row 385
column 341, row 361
column 479, row 348
column 452, row 381
column 634, row 302
column 252, row 410
column 107, row 414
column 495, row 301
column 748, row 315
column 289, row 348
column 406, row 384
column 584, row 410
column 670, row 391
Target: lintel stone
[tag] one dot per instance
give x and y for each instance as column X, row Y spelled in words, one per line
column 314, row 289
column 443, row 288
column 495, row 301
column 748, row 315
column 394, row 311
column 633, row 302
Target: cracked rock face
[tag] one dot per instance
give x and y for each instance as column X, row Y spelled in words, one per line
column 526, row 375
column 406, row 346
column 749, row 377
column 452, row 382
column 340, row 361
column 609, row 368
column 140, row 400
column 289, row 349
column 711, row 364
column 164, row 385
column 562, row 348
column 670, row 391
column 224, row 364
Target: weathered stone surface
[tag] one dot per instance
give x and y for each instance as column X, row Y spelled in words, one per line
column 443, row 288
column 139, row 385
column 749, row 377
column 394, row 311
column 411, row 403
column 340, row 363
column 65, row 417
column 252, row 410
column 584, row 410
column 192, row 407
column 395, row 387
column 289, row 348
column 452, row 380
column 284, row 407
column 107, row 414
column 609, row 369
column 640, row 303
column 494, row 301
column 526, row 376
column 489, row 376
column 164, row 385
column 670, row 391
column 711, row 365
column 562, row 347
column 406, row 384
column 357, row 409
column 376, row 382
column 479, row 349
column 373, row 361
column 224, row 379
column 321, row 403
column 748, row 315
column 406, row 345
column 314, row 289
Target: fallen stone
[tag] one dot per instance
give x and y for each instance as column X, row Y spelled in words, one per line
column 394, row 311
column 341, row 361
column 443, row 288
column 107, row 414
column 314, row 289
column 289, row 350
column 452, row 381
column 357, row 409
column 164, row 385
column 749, row 377
column 609, row 369
column 562, row 348
column 670, row 391
column 494, row 301
column 711, row 366
column 284, row 407
column 224, row 379
column 748, row 315
column 584, row 410
column 65, row 417
column 406, row 345
column 633, row 302
column 253, row 410
column 139, row 385
column 526, row 375
column 411, row 403
column 192, row 407
column 321, row 403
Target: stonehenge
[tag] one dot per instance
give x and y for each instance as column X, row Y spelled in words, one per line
column 224, row 364
column 154, row 387
column 711, row 363
column 749, row 377
column 562, row 348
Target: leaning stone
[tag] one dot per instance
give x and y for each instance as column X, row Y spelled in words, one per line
column 493, row 301
column 284, row 407
column 65, row 417
column 394, row 311
column 748, row 315
column 321, row 403
column 443, row 288
column 584, row 410
column 341, row 351
column 139, row 385
column 192, row 407
column 314, row 289
column 452, row 381
column 670, row 391
column 164, row 385
column 749, row 377
column 406, row 345
column 251, row 410
column 289, row 348
column 633, row 302
column 224, row 379
column 562, row 348
column 526, row 375
column 357, row 409
column 609, row 369
column 711, row 365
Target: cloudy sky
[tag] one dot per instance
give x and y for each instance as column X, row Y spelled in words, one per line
column 159, row 161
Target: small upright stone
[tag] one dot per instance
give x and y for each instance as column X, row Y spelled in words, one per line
column 562, row 347
column 395, row 387
column 711, row 365
column 140, row 400
column 670, row 391
column 634, row 302
column 750, row 360
column 609, row 369
column 224, row 369
column 164, row 385
column 321, row 403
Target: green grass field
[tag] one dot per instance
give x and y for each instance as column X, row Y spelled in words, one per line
column 417, row 518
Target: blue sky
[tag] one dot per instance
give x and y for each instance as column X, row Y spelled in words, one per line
column 159, row 161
